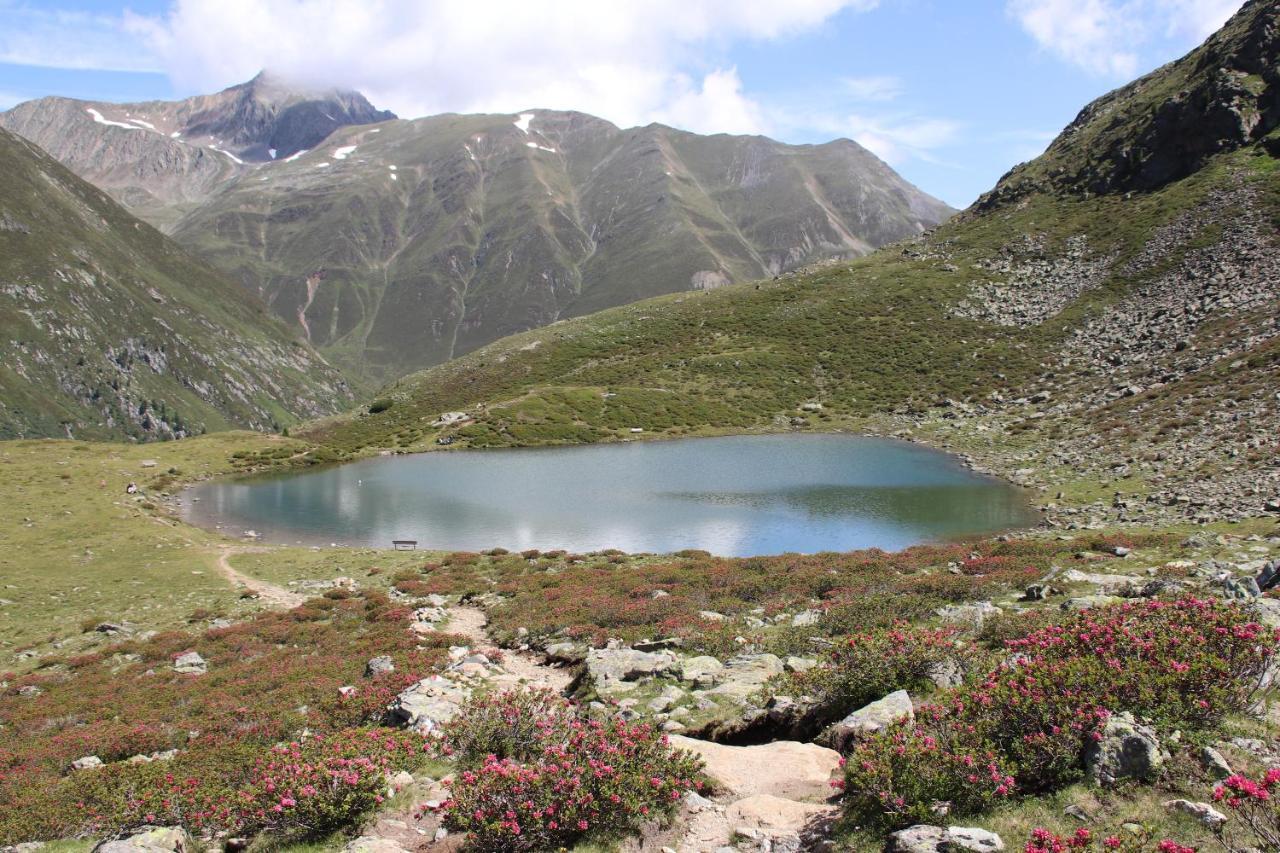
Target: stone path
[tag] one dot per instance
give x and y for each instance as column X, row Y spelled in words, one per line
column 519, row 667
column 276, row 596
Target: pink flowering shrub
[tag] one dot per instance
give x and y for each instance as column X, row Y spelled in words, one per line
column 305, row 788
column 1182, row 664
column 1085, row 841
column 514, row 724
column 1253, row 806
column 268, row 678
column 863, row 667
column 560, row 782
column 894, row 780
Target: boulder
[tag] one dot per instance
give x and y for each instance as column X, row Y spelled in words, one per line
column 159, row 839
column 1127, row 750
column 1269, row 576
column 605, row 665
column 787, row 769
column 379, row 665
column 1202, row 812
column 745, row 675
column 923, row 838
column 1088, row 602
column 805, row 618
column 973, row 839
column 89, row 762
column 798, row 664
column 1212, row 760
column 968, row 615
column 426, row 705
column 871, row 719
column 702, row 671
column 190, row 663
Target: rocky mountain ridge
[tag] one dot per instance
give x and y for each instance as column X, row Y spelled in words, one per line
column 1164, row 126
column 394, row 245
column 159, row 158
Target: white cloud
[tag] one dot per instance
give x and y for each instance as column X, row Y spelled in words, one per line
column 879, row 88
column 1105, row 37
column 631, row 62
column 1088, row 33
column 1197, row 19
column 718, row 106
column 897, row 138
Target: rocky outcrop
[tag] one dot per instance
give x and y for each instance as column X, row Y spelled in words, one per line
column 871, row 719
column 425, row 706
column 1166, row 125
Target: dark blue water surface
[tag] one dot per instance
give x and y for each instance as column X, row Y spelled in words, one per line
column 733, row 496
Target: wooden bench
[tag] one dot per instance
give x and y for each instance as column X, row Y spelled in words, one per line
column 404, row 544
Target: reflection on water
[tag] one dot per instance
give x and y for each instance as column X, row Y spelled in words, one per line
column 740, row 495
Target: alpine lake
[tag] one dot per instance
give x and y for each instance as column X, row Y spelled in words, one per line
column 731, row 496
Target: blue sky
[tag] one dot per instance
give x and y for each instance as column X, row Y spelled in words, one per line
column 951, row 93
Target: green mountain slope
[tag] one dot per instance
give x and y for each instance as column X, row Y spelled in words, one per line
column 1070, row 334
column 405, row 244
column 395, row 245
column 109, row 329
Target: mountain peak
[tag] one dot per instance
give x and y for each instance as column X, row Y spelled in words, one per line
column 1164, row 126
column 269, row 116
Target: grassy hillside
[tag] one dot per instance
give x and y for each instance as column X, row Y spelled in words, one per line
column 111, row 330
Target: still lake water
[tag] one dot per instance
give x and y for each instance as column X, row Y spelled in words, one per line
column 732, row 496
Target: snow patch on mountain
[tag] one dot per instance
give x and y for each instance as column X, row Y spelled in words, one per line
column 98, row 117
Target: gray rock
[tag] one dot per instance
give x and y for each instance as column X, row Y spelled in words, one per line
column 1088, row 602
column 745, row 675
column 379, row 665
column 89, row 762
column 427, row 705
column 946, row 673
column 702, row 672
column 1240, row 589
column 604, row 665
column 1203, row 812
column 968, row 615
column 798, row 664
column 871, row 719
column 191, row 663
column 923, row 838
column 161, row 839
column 1127, row 750
column 972, row 838
column 1212, row 760
column 658, row 645
column 805, row 618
